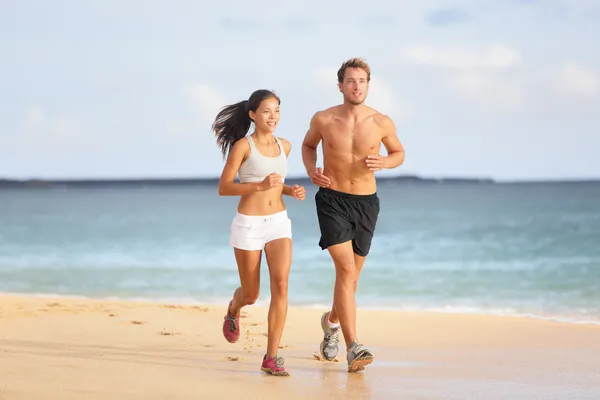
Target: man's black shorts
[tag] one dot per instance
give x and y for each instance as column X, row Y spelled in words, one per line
column 344, row 217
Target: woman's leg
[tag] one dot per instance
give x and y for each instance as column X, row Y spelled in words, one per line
column 279, row 259
column 248, row 263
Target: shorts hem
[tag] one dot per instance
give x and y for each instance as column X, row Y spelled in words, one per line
column 325, row 244
column 279, row 237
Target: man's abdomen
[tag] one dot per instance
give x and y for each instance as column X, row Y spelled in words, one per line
column 350, row 174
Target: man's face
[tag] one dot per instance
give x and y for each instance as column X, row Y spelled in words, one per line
column 355, row 86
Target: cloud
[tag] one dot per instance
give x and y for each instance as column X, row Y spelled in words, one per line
column 207, row 101
column 243, row 25
column 447, row 16
column 488, row 77
column 379, row 21
column 494, row 57
column 300, row 24
column 574, row 79
column 38, row 128
column 487, row 90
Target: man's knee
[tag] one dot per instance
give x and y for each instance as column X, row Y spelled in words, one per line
column 346, row 271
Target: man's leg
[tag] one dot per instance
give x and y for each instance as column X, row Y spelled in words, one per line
column 366, row 220
column 357, row 355
column 343, row 294
column 359, row 261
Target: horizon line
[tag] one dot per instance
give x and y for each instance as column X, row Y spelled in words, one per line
column 175, row 179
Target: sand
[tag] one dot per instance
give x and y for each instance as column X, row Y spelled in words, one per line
column 58, row 348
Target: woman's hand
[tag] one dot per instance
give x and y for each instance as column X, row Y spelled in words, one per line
column 298, row 192
column 271, row 181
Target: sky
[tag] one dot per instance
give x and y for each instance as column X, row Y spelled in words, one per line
column 508, row 90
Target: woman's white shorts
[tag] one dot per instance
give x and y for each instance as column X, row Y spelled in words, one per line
column 253, row 232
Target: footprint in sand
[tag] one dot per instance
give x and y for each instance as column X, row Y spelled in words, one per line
column 167, row 333
column 248, row 341
column 318, row 357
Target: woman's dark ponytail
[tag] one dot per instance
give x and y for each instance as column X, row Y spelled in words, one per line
column 231, row 124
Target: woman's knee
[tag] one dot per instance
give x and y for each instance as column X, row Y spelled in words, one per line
column 279, row 287
column 249, row 297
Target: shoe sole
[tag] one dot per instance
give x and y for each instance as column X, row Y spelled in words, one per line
column 274, row 373
column 232, row 341
column 323, row 342
column 359, row 363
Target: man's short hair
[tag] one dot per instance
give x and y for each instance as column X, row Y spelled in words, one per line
column 354, row 63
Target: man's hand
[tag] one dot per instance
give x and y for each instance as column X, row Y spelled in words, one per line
column 375, row 162
column 319, row 179
column 298, row 192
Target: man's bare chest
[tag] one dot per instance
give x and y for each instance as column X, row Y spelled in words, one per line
column 356, row 139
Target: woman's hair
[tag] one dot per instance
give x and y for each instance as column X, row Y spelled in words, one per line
column 232, row 122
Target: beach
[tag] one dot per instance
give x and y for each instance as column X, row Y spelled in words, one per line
column 76, row 348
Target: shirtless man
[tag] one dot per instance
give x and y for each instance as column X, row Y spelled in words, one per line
column 347, row 202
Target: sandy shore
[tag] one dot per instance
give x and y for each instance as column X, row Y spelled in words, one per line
column 85, row 349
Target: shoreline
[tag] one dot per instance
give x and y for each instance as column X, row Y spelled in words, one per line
column 594, row 320
column 55, row 347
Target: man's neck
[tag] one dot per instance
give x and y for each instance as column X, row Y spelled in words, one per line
column 354, row 111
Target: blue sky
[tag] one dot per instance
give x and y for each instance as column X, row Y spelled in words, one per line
column 108, row 89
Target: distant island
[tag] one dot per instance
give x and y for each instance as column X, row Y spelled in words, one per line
column 132, row 182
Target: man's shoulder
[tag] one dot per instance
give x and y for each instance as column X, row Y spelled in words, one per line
column 326, row 114
column 382, row 120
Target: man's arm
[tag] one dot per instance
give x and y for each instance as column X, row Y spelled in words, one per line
column 395, row 150
column 309, row 153
column 310, row 145
column 391, row 142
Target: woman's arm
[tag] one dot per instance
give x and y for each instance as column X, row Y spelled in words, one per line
column 295, row 190
column 227, row 184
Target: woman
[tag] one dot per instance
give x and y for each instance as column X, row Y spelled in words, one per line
column 261, row 223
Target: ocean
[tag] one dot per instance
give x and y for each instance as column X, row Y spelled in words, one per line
column 496, row 248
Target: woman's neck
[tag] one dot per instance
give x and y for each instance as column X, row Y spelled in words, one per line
column 263, row 137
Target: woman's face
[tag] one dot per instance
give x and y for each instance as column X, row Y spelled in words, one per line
column 266, row 116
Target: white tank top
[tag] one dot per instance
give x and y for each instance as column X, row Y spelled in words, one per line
column 257, row 166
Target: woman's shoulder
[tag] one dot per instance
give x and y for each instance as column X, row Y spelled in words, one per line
column 285, row 143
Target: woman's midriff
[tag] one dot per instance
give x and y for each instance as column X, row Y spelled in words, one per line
column 262, row 203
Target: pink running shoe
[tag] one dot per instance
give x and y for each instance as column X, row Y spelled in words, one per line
column 274, row 366
column 231, row 326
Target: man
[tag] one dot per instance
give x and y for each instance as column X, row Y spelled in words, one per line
column 347, row 202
